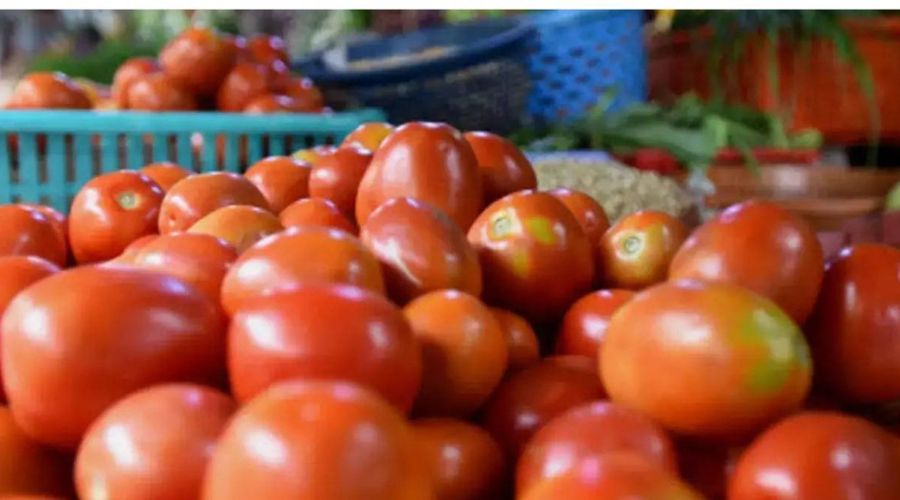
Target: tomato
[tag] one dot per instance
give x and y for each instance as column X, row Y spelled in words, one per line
column 27, row 231
column 312, row 155
column 636, row 251
column 535, row 257
column 243, row 83
column 529, row 398
column 27, row 468
column 165, row 173
column 707, row 467
column 111, row 211
column 198, row 59
column 46, row 90
column 521, row 342
column 57, row 218
column 125, row 76
column 463, row 352
column 307, row 97
column 273, row 103
column 369, row 135
column 420, row 250
column 855, row 328
column 267, row 48
column 428, row 161
column 464, row 462
column 504, row 169
column 158, row 92
column 240, row 225
column 153, row 444
column 586, row 433
column 79, row 340
column 132, row 250
column 290, row 335
column 200, row 260
column 316, row 440
column 272, row 265
column 336, row 176
column 196, row 196
column 819, row 455
column 584, row 324
column 281, row 179
column 316, row 212
column 760, row 246
column 706, row 360
column 589, row 214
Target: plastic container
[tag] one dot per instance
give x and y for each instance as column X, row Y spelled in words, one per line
column 46, row 156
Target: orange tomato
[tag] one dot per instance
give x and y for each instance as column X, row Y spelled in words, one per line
column 316, row 212
column 198, row 59
column 584, row 324
column 47, row 90
column 240, row 225
column 132, row 250
column 307, row 98
column 369, row 135
column 273, row 103
column 521, row 341
column 589, row 214
column 336, row 176
column 27, row 468
column 27, row 231
column 281, row 179
column 158, row 92
column 504, row 169
column 267, row 48
column 165, row 173
column 243, row 83
column 635, row 252
column 312, row 155
column 197, row 195
column 125, row 76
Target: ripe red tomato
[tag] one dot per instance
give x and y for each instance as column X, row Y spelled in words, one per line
column 57, row 218
column 521, row 342
column 153, row 444
column 165, row 173
column 198, row 59
column 290, row 335
column 428, row 161
column 27, row 231
column 464, row 461
column 584, row 325
column 855, row 328
column 589, row 214
column 531, row 397
column 316, row 212
column 760, row 246
column 504, row 169
column 281, row 179
column 125, row 76
column 46, row 90
column 195, row 196
column 819, row 455
column 273, row 103
column 369, row 135
column 587, row 433
column 420, row 250
column 272, row 265
column 158, row 92
column 77, row 341
column 636, row 251
column 244, row 82
column 242, row 226
column 463, row 352
column 27, row 468
column 306, row 96
column 132, row 250
column 706, row 360
column 311, row 440
column 267, row 48
column 535, row 257
column 336, row 176
column 111, row 211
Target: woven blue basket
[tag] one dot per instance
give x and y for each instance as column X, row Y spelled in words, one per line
column 577, row 56
column 46, row 156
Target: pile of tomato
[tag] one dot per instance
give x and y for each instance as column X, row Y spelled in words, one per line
column 405, row 316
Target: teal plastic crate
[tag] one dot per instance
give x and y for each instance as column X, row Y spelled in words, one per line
column 46, row 156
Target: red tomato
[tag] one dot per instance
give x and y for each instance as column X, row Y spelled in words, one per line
column 464, row 462
column 165, row 173
column 504, row 169
column 855, row 329
column 705, row 360
column 243, row 83
column 531, row 397
column 239, row 225
column 636, row 251
column 272, row 265
column 158, row 92
column 196, row 196
column 819, row 455
column 281, row 179
column 111, row 211
column 535, row 257
column 584, row 325
column 587, row 433
column 463, row 352
column 521, row 342
column 316, row 212
column 45, row 90
column 315, row 440
column 307, row 97
column 369, row 135
column 26, row 231
column 153, row 444
column 79, row 340
column 273, row 103
column 198, row 59
column 589, row 214
column 27, row 468
column 420, row 249
column 290, row 335
column 125, row 76
column 132, row 250
column 760, row 246
column 267, row 48
column 59, row 220
column 336, row 176
column 428, row 161
column 707, row 466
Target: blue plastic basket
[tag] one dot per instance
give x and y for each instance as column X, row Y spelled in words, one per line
column 579, row 55
column 46, row 156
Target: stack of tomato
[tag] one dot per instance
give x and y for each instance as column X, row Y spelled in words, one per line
column 199, row 69
column 406, row 317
